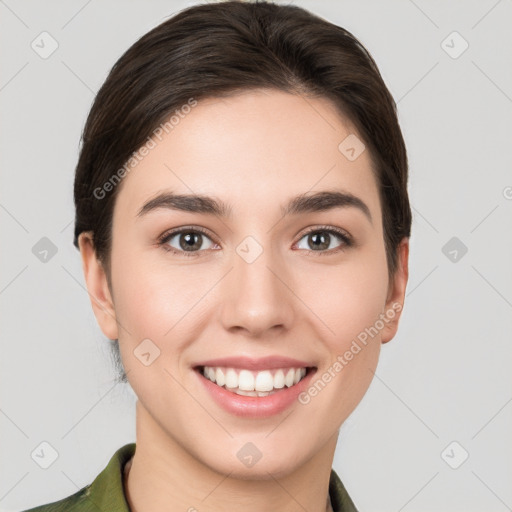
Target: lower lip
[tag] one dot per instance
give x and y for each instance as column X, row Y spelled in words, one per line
column 256, row 406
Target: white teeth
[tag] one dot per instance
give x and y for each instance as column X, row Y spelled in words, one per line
column 249, row 383
column 279, row 379
column 264, row 381
column 219, row 377
column 290, row 376
column 243, row 392
column 239, row 391
column 231, row 378
column 246, row 381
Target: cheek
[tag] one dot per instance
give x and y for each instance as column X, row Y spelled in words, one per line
column 157, row 301
column 350, row 302
column 347, row 298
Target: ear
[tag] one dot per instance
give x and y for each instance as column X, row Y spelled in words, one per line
column 97, row 286
column 396, row 293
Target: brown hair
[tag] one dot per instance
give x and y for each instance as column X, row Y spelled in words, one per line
column 213, row 50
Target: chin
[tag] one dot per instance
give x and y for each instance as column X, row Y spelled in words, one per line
column 258, row 460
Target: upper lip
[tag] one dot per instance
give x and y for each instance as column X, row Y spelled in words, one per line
column 263, row 363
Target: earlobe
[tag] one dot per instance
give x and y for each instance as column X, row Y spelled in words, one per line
column 97, row 287
column 396, row 295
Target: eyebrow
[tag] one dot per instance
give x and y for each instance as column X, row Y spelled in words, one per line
column 317, row 202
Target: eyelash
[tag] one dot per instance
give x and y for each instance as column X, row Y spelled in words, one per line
column 345, row 238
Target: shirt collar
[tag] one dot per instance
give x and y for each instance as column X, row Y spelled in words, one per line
column 107, row 490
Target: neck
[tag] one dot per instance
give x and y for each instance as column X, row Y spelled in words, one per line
column 163, row 476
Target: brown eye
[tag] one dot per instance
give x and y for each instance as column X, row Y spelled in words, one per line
column 323, row 240
column 186, row 241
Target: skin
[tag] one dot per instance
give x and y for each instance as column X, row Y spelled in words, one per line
column 254, row 151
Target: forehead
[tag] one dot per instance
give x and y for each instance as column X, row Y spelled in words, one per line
column 254, row 149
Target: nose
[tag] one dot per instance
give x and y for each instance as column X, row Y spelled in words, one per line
column 257, row 300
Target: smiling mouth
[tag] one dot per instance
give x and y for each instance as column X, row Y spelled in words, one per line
column 254, row 383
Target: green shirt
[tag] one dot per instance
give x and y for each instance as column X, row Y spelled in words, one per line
column 106, row 492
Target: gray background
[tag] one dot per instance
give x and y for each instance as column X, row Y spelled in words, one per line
column 445, row 377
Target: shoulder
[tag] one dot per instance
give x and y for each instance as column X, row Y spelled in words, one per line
column 106, row 492
column 340, row 499
column 76, row 502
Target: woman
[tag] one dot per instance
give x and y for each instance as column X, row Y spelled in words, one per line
column 243, row 221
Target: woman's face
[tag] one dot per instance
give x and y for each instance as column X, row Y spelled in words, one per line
column 260, row 287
